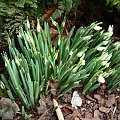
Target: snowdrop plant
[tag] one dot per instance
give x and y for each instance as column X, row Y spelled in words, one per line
column 85, row 59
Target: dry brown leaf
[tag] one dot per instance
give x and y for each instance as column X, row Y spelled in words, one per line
column 48, row 13
column 85, row 119
column 53, row 86
column 90, row 98
column 96, row 118
column 119, row 117
column 69, row 117
column 111, row 100
column 53, row 33
column 76, row 118
column 66, row 111
column 97, row 96
column 9, row 109
column 104, row 109
column 76, row 113
column 42, row 108
column 31, row 118
column 88, row 115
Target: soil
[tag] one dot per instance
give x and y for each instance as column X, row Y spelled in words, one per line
column 96, row 106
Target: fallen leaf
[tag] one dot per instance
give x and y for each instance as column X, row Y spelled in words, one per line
column 53, row 33
column 83, row 110
column 66, row 111
column 76, row 100
column 76, row 118
column 42, row 108
column 31, row 118
column 85, row 119
column 119, row 117
column 111, row 100
column 48, row 101
column 90, row 98
column 104, row 109
column 9, row 109
column 88, row 115
column 76, row 113
column 96, row 118
column 9, row 115
column 48, row 13
column 98, row 97
column 53, row 84
column 69, row 117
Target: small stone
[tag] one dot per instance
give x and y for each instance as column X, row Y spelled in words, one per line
column 104, row 109
column 96, row 113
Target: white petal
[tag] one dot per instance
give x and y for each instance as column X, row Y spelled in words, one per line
column 100, row 48
column 101, row 79
column 75, row 69
column 83, row 62
column 79, row 54
column 71, row 52
column 110, row 29
column 28, row 24
column 97, row 28
column 104, row 62
column 76, row 100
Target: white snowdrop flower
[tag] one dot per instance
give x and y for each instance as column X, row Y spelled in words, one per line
column 83, row 62
column 105, row 56
column 75, row 69
column 19, row 35
column 104, row 62
column 101, row 48
column 109, row 57
column 28, row 24
column 56, row 55
column 117, row 45
column 76, row 100
column 17, row 61
column 105, row 42
column 79, row 54
column 27, row 37
column 2, row 85
column 38, row 25
column 107, row 65
column 110, row 29
column 71, row 52
column 38, row 28
column 59, row 42
column 67, row 48
column 101, row 79
column 87, row 37
column 97, row 28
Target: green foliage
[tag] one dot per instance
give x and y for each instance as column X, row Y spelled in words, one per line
column 65, row 6
column 14, row 12
column 115, row 3
column 84, row 59
column 113, row 81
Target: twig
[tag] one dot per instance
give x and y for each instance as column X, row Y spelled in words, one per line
column 44, row 114
column 58, row 110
